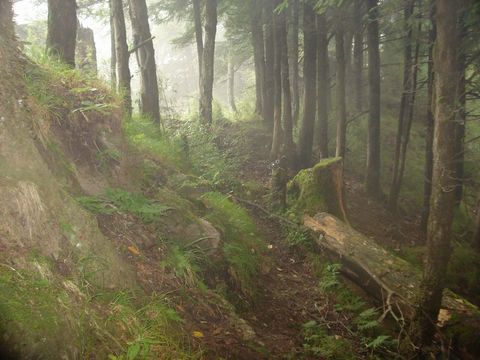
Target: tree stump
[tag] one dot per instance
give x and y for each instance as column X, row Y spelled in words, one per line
column 319, row 189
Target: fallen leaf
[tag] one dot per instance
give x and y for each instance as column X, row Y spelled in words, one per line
column 134, row 250
column 198, row 334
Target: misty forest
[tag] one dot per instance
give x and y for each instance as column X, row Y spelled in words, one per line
column 239, row 179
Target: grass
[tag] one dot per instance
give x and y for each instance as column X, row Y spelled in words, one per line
column 120, row 200
column 242, row 246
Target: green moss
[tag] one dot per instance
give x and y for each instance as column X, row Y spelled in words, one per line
column 36, row 314
column 312, row 190
column 242, row 245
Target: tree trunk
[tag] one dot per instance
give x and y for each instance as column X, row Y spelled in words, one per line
column 323, row 85
column 149, row 101
column 372, row 178
column 461, row 116
column 358, row 55
column 340, row 92
column 310, row 74
column 391, row 281
column 286, row 90
column 62, row 29
column 86, row 51
column 443, row 181
column 208, row 63
column 258, row 55
column 122, row 55
column 476, row 236
column 405, row 102
column 231, row 84
column 197, row 17
column 113, row 56
column 294, row 57
column 269, row 91
column 277, row 69
column 429, row 123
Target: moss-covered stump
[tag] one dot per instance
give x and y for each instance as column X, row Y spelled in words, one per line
column 393, row 281
column 318, row 189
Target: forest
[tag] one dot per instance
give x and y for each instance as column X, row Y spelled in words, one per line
column 239, row 179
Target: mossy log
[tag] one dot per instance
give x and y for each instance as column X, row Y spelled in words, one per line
column 391, row 280
column 318, row 189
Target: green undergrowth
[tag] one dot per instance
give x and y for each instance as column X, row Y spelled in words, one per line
column 118, row 200
column 243, row 246
column 44, row 315
column 359, row 320
column 186, row 146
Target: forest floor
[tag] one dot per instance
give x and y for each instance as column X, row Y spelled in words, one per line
column 289, row 293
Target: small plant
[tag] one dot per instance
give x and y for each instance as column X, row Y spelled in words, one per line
column 120, row 200
column 297, row 236
column 183, row 264
column 318, row 343
column 329, row 278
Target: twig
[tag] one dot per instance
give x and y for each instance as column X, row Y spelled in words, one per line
column 138, row 46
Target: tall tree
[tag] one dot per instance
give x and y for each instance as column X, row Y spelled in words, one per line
column 258, row 54
column 294, row 57
column 323, row 85
column 310, row 74
column 461, row 115
column 208, row 63
column 358, row 54
column 269, row 90
column 476, row 235
column 143, row 43
column 197, row 18
column 286, row 90
column 122, row 54
column 62, row 29
column 372, row 178
column 443, row 181
column 405, row 104
column 340, row 90
column 429, row 121
column 113, row 55
column 277, row 71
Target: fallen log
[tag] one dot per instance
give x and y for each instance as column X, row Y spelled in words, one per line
column 392, row 281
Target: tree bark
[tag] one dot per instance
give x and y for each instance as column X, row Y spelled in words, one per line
column 122, row 55
column 86, row 51
column 294, row 57
column 443, row 181
column 429, row 122
column 197, row 17
column 358, row 55
column 405, row 101
column 258, row 54
column 269, row 91
column 476, row 235
column 323, row 86
column 208, row 63
column 310, row 74
column 149, row 100
column 340, row 92
column 390, row 280
column 62, row 30
column 286, row 90
column 113, row 56
column 461, row 116
column 277, row 69
column 372, row 178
